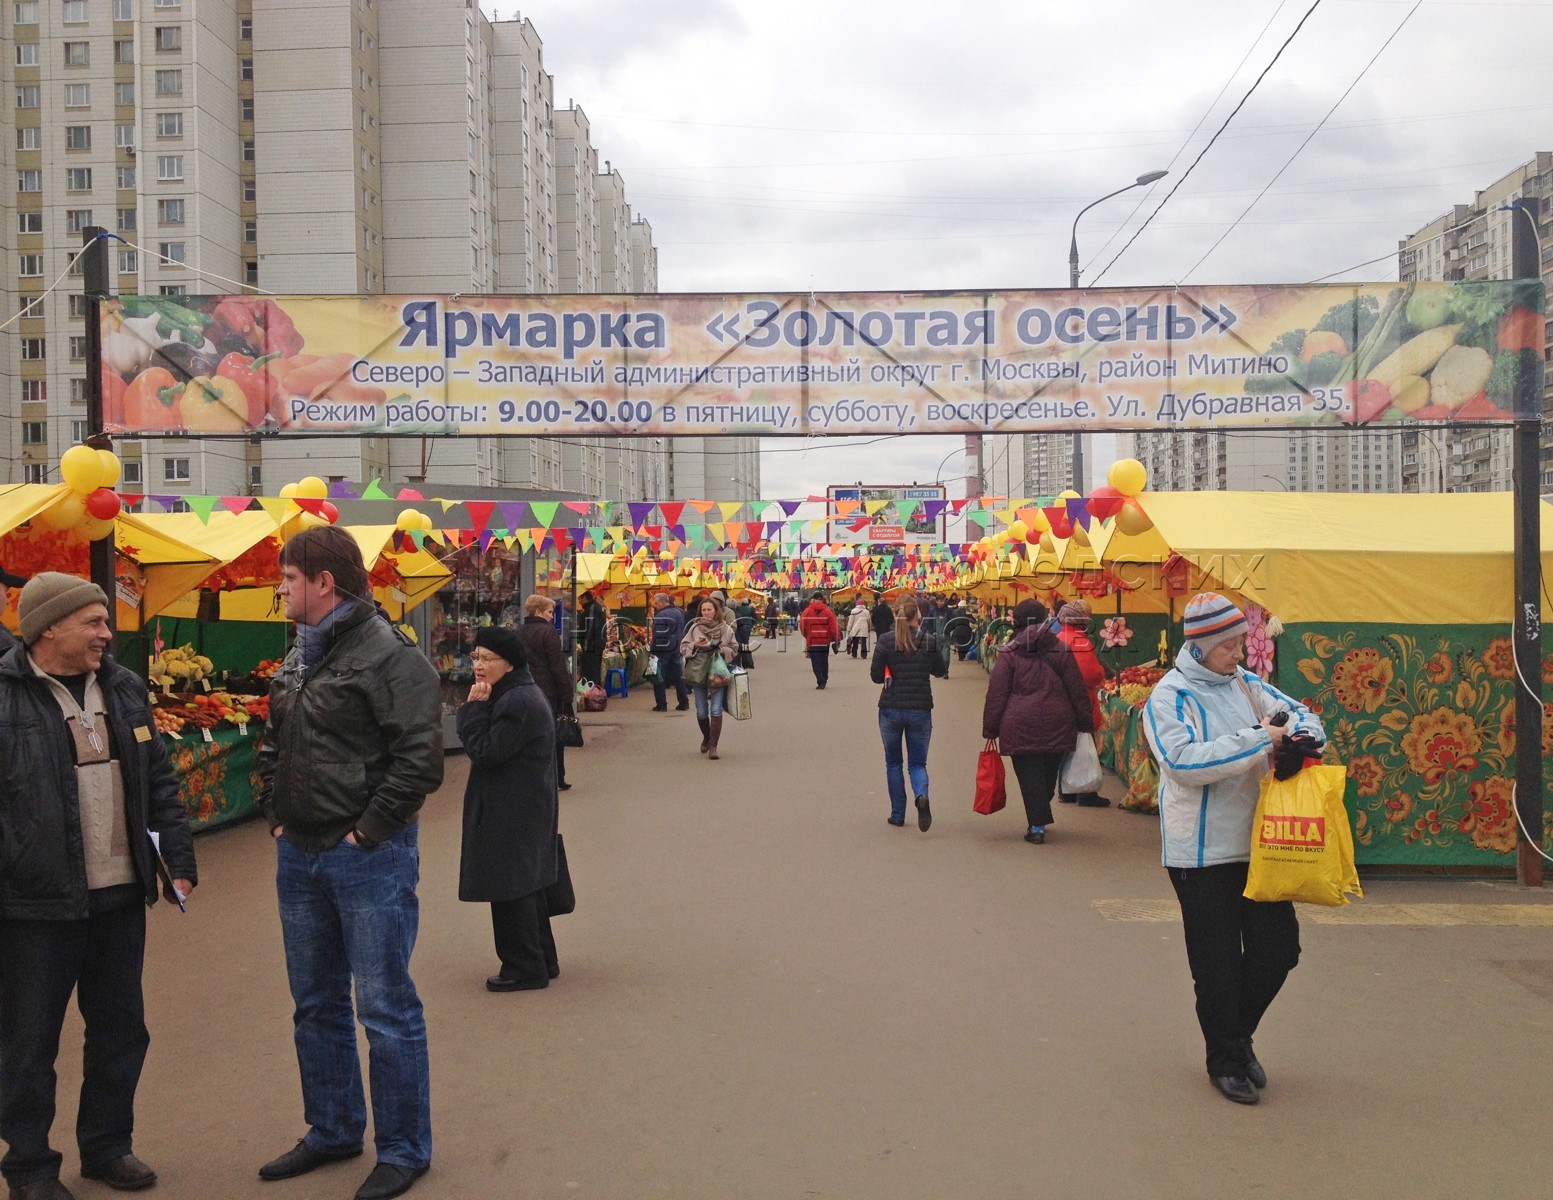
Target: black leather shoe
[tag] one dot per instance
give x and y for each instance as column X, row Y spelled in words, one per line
column 1236, row 1087
column 563, row 787
column 660, row 708
column 1255, row 1073
column 500, row 983
column 1035, row 839
column 388, row 1180
column 1093, row 801
column 301, row 1159
column 41, row 1189
column 682, row 708
column 924, row 814
column 896, row 820
column 124, row 1174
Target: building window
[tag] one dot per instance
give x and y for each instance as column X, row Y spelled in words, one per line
column 171, row 252
column 123, row 51
column 78, row 432
column 27, row 54
column 169, row 37
column 168, row 3
column 126, row 220
column 129, row 262
column 245, row 108
column 29, row 181
column 34, row 472
column 78, row 137
column 29, row 222
column 170, row 212
column 35, row 433
column 245, row 29
column 78, row 95
column 127, row 179
column 32, row 139
column 35, row 391
column 130, row 470
column 175, row 470
column 34, row 349
column 250, row 191
column 169, row 82
column 27, row 97
column 29, row 264
column 245, row 69
column 77, row 219
column 77, row 306
column 78, row 54
column 172, row 289
column 250, row 232
column 75, row 12
column 124, row 137
column 247, row 149
column 123, row 10
column 169, row 167
column 27, row 12
column 169, row 125
column 78, row 348
column 124, row 94
column 78, row 179
column 251, row 272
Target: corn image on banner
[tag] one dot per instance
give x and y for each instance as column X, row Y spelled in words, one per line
column 826, row 363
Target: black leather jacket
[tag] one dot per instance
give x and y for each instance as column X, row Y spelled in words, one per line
column 357, row 743
column 42, row 858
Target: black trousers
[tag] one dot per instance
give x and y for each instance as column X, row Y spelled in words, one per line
column 560, row 763
column 1037, row 775
column 1240, row 952
column 524, row 942
column 590, row 666
column 819, row 659
column 41, row 963
column 671, row 673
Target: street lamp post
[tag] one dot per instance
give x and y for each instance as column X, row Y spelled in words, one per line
column 1141, row 181
column 1281, row 483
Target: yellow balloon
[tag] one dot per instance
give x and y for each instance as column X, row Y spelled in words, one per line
column 1080, row 534
column 94, row 528
column 312, row 488
column 288, row 491
column 425, row 522
column 1018, row 531
column 80, row 467
column 1132, row 519
column 1039, row 521
column 111, row 469
column 1047, row 543
column 408, row 519
column 1128, row 476
column 1070, row 494
column 63, row 514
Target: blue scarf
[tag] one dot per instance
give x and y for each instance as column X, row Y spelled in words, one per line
column 313, row 640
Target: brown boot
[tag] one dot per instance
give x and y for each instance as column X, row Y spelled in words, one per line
column 706, row 734
column 717, row 732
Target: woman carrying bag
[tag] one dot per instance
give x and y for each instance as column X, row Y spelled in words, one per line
column 709, row 645
column 1036, row 707
column 905, row 659
column 510, row 810
column 542, row 643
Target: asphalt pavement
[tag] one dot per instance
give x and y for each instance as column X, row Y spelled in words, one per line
column 767, row 991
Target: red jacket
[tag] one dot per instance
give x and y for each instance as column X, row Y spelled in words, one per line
column 1076, row 640
column 818, row 624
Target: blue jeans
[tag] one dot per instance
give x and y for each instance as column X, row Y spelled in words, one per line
column 916, row 725
column 709, row 701
column 351, row 914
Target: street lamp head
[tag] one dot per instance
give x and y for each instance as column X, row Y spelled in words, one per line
column 1151, row 177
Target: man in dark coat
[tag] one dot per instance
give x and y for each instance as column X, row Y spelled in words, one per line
column 592, row 631
column 510, row 810
column 83, row 775
column 668, row 627
column 882, row 616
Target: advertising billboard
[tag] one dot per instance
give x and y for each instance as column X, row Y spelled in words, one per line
column 886, row 514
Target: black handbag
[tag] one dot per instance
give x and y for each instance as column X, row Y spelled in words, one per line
column 560, row 899
column 568, row 731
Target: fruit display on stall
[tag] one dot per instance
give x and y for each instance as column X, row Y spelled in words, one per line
column 179, row 668
column 1134, row 684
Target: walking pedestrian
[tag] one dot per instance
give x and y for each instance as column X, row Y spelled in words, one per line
column 905, row 659
column 1215, row 729
column 706, row 637
column 1073, row 632
column 351, row 750
column 1036, row 706
column 83, row 775
column 744, row 630
column 510, row 810
column 820, row 634
column 773, row 618
column 592, row 634
column 859, row 626
column 547, row 664
column 668, row 627
column 882, row 616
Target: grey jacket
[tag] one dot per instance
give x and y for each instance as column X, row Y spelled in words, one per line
column 357, row 743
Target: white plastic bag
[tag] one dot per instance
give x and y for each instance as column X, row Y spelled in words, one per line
column 1081, row 769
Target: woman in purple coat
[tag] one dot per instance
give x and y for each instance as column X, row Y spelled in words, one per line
column 1037, row 705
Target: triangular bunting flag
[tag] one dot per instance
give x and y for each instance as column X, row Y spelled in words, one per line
column 544, row 511
column 236, row 504
column 203, row 506
column 480, row 516
column 374, row 491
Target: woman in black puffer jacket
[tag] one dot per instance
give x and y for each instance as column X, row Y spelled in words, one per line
column 904, row 660
column 1037, row 705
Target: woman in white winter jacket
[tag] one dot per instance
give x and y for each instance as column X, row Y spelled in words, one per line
column 859, row 626
column 1214, row 729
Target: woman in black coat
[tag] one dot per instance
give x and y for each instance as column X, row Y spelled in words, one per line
column 547, row 663
column 510, row 809
column 905, row 659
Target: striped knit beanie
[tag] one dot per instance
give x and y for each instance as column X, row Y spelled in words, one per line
column 1210, row 618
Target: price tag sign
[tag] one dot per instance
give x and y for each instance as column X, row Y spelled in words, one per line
column 205, row 733
column 243, row 729
column 167, row 689
column 175, row 735
column 205, row 686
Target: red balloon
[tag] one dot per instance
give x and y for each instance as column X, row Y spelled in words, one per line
column 1105, row 502
column 1062, row 527
column 329, row 512
column 103, row 504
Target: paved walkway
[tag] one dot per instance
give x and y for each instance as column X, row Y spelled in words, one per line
column 768, row 992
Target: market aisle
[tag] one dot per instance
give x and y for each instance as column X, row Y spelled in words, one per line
column 768, row 992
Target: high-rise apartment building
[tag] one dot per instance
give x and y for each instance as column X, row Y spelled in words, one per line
column 298, row 146
column 1472, row 241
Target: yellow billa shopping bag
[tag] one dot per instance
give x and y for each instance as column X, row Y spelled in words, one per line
column 1301, row 842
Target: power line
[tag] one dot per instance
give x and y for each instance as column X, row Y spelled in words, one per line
column 1188, row 173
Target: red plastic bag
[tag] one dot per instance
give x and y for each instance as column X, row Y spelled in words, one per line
column 991, row 795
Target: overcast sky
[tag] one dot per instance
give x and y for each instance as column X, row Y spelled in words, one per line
column 837, row 145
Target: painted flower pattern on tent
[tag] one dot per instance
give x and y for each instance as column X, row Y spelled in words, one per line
column 1426, row 727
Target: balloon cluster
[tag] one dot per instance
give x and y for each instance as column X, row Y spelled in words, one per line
column 92, row 504
column 310, row 506
column 1116, row 500
column 412, row 520
column 1119, row 497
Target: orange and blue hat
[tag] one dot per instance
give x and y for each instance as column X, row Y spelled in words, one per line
column 1210, row 618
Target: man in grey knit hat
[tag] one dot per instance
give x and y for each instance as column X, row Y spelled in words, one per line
column 83, row 776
